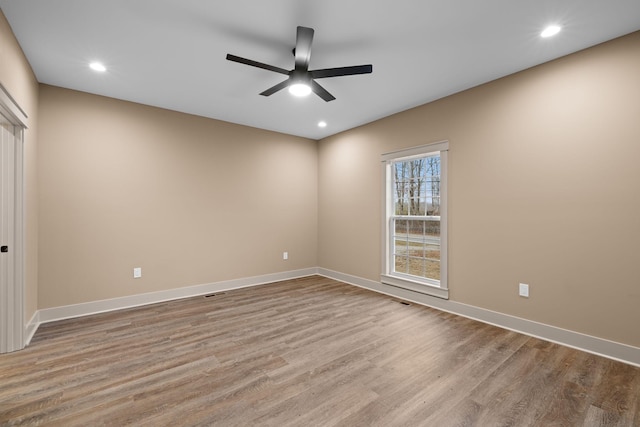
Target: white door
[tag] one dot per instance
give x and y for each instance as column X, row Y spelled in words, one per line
column 11, row 275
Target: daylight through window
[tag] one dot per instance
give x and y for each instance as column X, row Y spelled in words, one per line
column 415, row 228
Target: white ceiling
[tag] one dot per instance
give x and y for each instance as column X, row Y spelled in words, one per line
column 171, row 53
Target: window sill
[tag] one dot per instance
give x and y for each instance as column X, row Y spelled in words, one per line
column 410, row 285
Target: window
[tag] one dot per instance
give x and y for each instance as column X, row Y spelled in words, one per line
column 415, row 229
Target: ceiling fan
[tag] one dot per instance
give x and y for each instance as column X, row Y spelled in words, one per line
column 301, row 80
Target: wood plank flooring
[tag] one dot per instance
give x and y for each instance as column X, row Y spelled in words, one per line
column 305, row 352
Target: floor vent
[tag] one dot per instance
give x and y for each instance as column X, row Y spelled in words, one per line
column 214, row 295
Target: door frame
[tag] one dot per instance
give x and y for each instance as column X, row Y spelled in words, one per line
column 12, row 337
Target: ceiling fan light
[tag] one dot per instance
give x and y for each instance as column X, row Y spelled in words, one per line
column 299, row 89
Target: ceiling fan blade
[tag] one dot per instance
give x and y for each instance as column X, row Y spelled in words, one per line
column 256, row 64
column 321, row 92
column 274, row 89
column 341, row 71
column 304, row 38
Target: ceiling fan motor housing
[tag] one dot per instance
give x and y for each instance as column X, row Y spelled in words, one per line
column 300, row 75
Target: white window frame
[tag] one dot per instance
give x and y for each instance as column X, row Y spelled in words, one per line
column 431, row 287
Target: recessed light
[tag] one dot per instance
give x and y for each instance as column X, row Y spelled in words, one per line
column 322, row 124
column 299, row 89
column 550, row 31
column 97, row 66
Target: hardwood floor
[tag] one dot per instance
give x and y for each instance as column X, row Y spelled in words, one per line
column 305, row 352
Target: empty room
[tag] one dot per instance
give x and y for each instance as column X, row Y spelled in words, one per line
column 338, row 213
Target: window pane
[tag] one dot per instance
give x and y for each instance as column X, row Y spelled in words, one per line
column 432, row 229
column 416, row 248
column 433, row 270
column 401, row 227
column 417, row 187
column 401, row 264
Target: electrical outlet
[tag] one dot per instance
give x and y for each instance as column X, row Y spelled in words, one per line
column 524, row 290
column 137, row 273
column 285, row 255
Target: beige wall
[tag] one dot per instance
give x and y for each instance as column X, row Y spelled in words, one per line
column 189, row 200
column 544, row 189
column 18, row 79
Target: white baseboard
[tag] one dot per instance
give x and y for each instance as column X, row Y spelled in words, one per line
column 31, row 327
column 599, row 346
column 94, row 307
